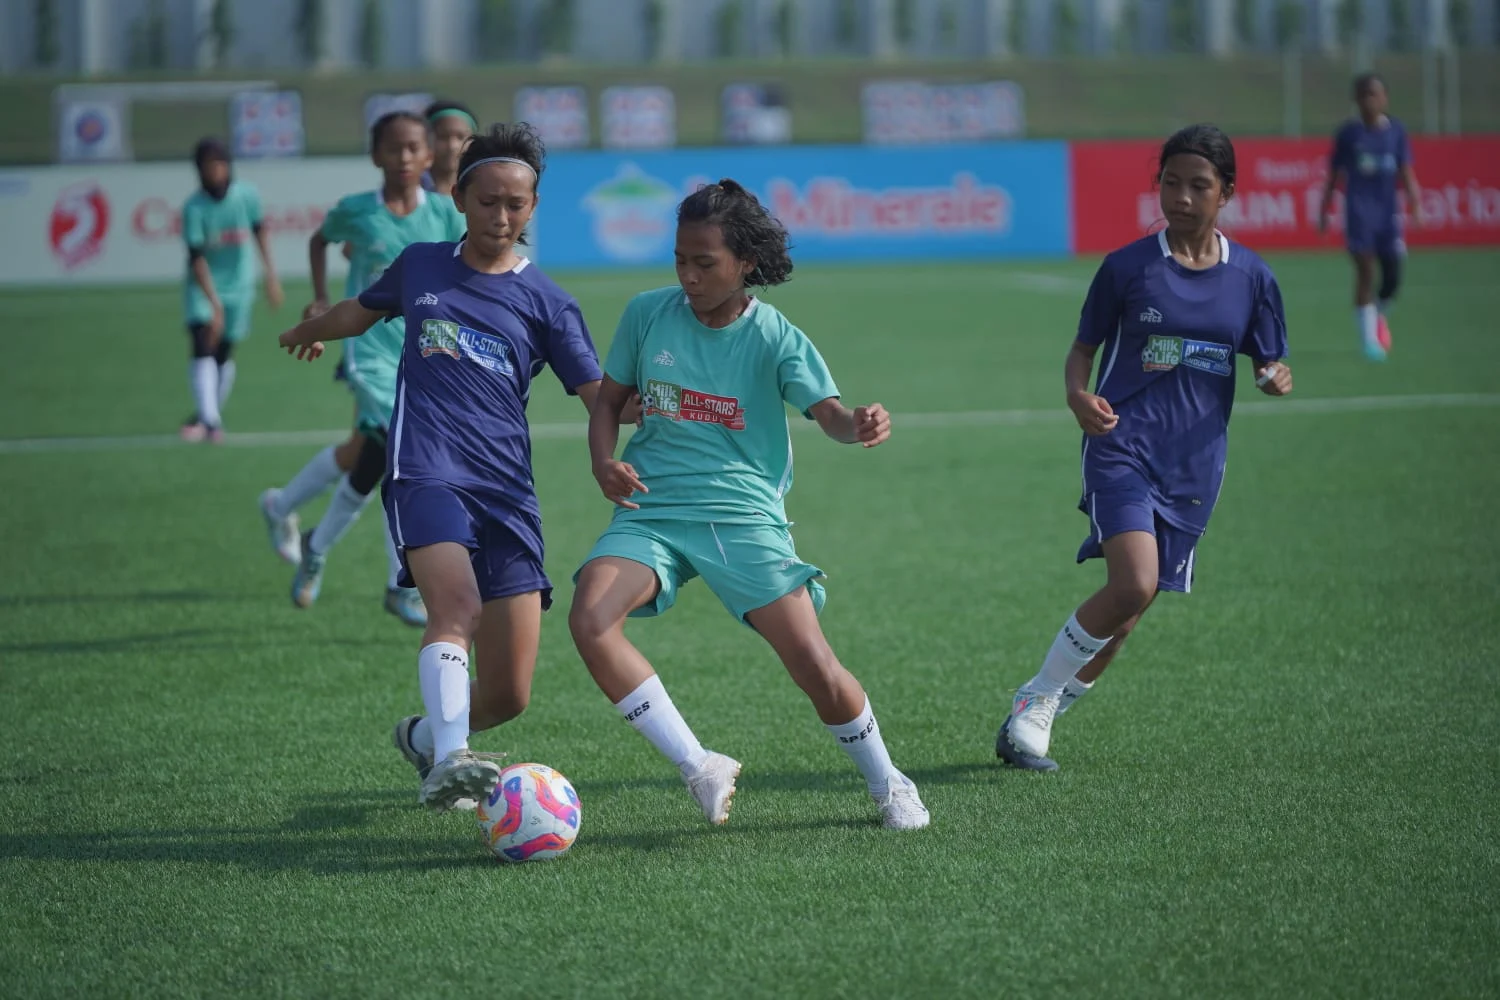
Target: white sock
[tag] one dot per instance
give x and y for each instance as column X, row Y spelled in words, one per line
column 393, row 557
column 1071, row 651
column 1367, row 318
column 650, row 710
column 421, row 737
column 226, row 382
column 203, row 376
column 443, row 670
column 862, row 742
column 321, row 472
column 1072, row 691
column 343, row 510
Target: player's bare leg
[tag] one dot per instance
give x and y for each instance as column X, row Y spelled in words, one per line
column 791, row 626
column 609, row 588
column 1366, row 314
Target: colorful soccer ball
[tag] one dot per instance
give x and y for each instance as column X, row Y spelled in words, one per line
column 533, row 814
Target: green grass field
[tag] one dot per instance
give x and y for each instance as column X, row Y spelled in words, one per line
column 1286, row 786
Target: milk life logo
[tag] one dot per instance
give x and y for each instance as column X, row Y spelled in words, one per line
column 1165, row 353
column 675, row 402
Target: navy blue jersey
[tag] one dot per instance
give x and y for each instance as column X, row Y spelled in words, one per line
column 1371, row 159
column 474, row 342
column 1169, row 336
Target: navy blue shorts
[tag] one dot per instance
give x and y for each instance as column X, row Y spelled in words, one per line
column 505, row 544
column 1118, row 509
column 1382, row 240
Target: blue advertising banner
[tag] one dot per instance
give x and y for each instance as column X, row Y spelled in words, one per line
column 841, row 203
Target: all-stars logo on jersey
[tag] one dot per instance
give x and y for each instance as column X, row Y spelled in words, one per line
column 441, row 336
column 675, row 402
column 1165, row 353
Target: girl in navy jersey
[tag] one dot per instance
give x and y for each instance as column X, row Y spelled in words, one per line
column 1171, row 312
column 1370, row 157
column 481, row 323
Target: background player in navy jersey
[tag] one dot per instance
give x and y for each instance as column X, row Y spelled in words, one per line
column 1171, row 311
column 481, row 323
column 1370, row 155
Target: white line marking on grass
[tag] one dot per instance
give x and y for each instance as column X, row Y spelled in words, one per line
column 903, row 421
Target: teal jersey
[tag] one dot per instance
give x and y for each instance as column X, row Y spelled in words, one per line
column 223, row 230
column 715, row 445
column 376, row 237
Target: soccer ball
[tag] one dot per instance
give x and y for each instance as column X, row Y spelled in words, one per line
column 533, row 814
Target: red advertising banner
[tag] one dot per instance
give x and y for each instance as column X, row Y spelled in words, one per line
column 1280, row 185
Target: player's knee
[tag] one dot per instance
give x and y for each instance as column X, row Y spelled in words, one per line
column 1131, row 593
column 815, row 668
column 498, row 705
column 454, row 612
column 590, row 623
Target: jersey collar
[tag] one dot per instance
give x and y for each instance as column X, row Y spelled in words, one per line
column 1166, row 251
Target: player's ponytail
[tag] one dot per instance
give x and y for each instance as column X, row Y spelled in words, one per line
column 750, row 231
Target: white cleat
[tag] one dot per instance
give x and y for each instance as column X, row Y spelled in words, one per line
column 1031, row 716
column 901, row 807
column 284, row 532
column 712, row 785
column 461, row 775
column 401, row 737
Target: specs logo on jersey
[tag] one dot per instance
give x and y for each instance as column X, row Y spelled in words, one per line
column 667, row 399
column 441, row 336
column 1151, row 315
column 426, row 299
column 1165, row 353
column 664, row 359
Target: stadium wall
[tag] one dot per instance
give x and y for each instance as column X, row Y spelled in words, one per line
column 118, row 223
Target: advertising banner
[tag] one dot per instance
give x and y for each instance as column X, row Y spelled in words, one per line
column 560, row 114
column 122, row 223
column 93, row 130
column 902, row 112
column 844, row 203
column 265, row 123
column 1279, row 191
column 638, row 118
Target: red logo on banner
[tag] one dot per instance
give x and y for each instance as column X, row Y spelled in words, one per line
column 1280, row 190
column 79, row 224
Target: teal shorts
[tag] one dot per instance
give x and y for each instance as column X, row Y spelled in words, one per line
column 374, row 388
column 747, row 566
column 237, row 313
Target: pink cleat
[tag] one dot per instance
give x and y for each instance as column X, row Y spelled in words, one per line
column 1383, row 334
column 194, row 431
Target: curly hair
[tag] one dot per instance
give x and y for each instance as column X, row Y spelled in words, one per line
column 512, row 140
column 750, row 231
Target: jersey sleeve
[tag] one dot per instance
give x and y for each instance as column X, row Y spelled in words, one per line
column 1403, row 148
column 1267, row 337
column 338, row 224
column 623, row 360
column 802, row 374
column 1101, row 308
column 385, row 294
column 1341, row 159
column 570, row 349
column 194, row 233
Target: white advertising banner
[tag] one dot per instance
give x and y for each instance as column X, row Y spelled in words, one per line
column 121, row 223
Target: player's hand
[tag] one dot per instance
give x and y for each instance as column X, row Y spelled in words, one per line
column 872, row 425
column 1274, row 379
column 274, row 295
column 1094, row 414
column 618, row 481
column 314, row 309
column 1418, row 220
column 634, row 411
column 299, row 350
column 215, row 326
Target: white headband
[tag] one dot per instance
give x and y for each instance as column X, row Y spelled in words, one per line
column 493, row 159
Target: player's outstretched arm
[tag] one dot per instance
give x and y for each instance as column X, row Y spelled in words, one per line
column 864, row 425
column 268, row 266
column 617, row 480
column 317, row 262
column 347, row 319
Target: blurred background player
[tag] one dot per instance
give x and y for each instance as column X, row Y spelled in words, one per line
column 219, row 222
column 1370, row 156
column 710, row 469
column 459, row 495
column 1171, row 312
column 452, row 125
column 376, row 226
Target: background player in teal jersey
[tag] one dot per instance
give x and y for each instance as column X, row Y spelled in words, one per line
column 451, row 125
column 376, row 226
column 702, row 487
column 219, row 220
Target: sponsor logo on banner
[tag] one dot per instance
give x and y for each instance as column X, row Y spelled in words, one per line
column 755, row 114
column 638, row 117
column 559, row 114
column 79, row 224
column 1280, row 193
column 916, row 112
column 93, row 129
column 266, row 123
column 835, row 207
column 635, row 214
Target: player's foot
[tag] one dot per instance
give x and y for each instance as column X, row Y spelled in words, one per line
column 309, row 578
column 712, row 785
column 900, row 806
column 194, row 431
column 406, row 604
column 1015, row 758
column 286, row 540
column 1383, row 333
column 461, row 775
column 1030, row 722
column 402, row 738
column 216, row 435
